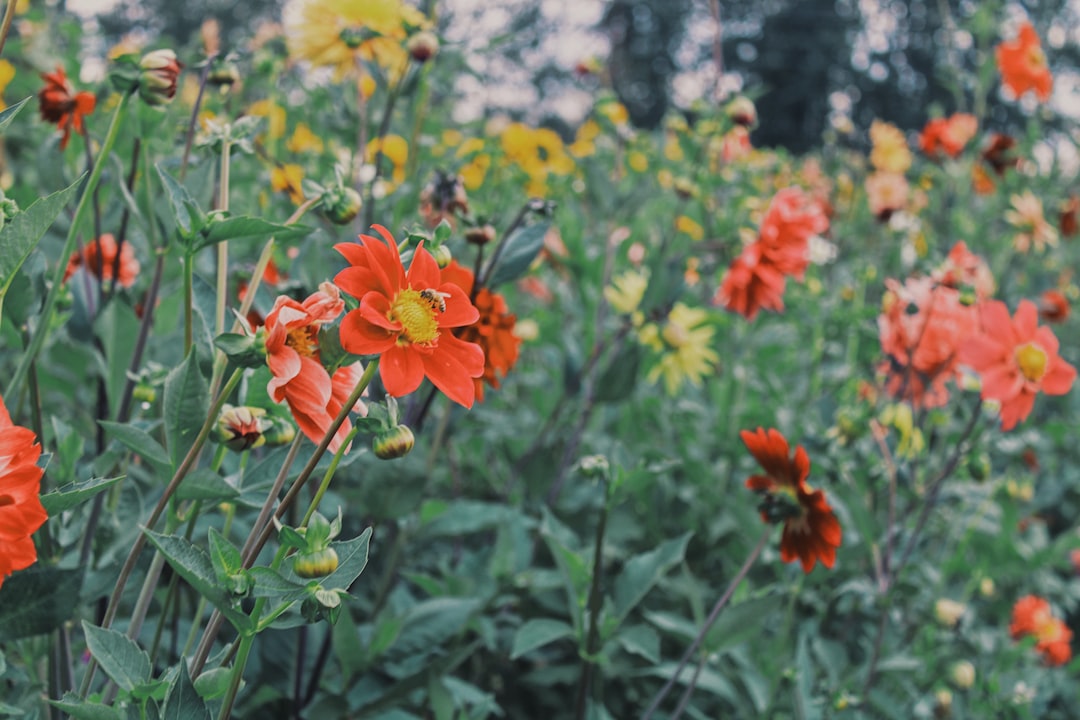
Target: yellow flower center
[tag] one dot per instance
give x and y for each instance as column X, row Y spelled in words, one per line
column 1032, row 361
column 675, row 335
column 303, row 340
column 1036, row 57
column 417, row 315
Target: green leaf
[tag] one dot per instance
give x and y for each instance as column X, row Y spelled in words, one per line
column 75, row 494
column 186, row 405
column 19, row 237
column 461, row 517
column 619, row 378
column 247, row 228
column 139, row 442
column 194, row 565
column 224, row 555
column 642, row 572
column 352, row 559
column 80, row 709
column 119, row 657
column 117, row 327
column 69, row 446
column 206, row 485
column 271, row 584
column 538, row 633
column 212, row 684
column 440, row 699
column 740, row 622
column 189, row 218
column 429, row 624
column 37, row 600
column 640, row 640
column 520, row 250
column 9, row 113
column 183, row 702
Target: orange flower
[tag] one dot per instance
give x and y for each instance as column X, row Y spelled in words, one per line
column 791, row 219
column 948, row 135
column 21, row 513
column 886, row 192
column 811, row 531
column 299, row 378
column 403, row 318
column 752, row 283
column 1053, row 307
column 493, row 332
column 100, row 258
column 1031, row 615
column 964, row 268
column 1016, row 359
column 1067, row 222
column 63, row 107
column 1022, row 63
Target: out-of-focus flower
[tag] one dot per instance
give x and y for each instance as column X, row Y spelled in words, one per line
column 1023, row 66
column 997, row 153
column 948, row 135
column 157, row 81
column 7, row 74
column 304, row 141
column 752, row 283
column 811, row 531
column 963, row 268
column 1015, row 359
column 21, row 512
column 734, row 146
column 340, row 33
column 684, row 342
column 288, row 178
column 626, row 291
column 1067, row 221
column 1053, row 307
column 890, row 152
column 274, row 114
column 62, row 106
column 422, row 46
column 981, row 181
column 689, row 226
column 1031, row 615
column 443, row 198
column 791, row 219
column 1026, row 215
column 493, row 331
column 741, row 111
column 584, row 144
column 948, row 612
column 408, row 319
column 886, row 192
column 539, row 152
column 395, row 149
column 99, row 258
column 962, row 674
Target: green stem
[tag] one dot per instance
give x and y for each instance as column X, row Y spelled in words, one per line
column 592, row 641
column 44, row 324
column 237, row 676
column 9, row 16
column 189, row 298
column 328, row 476
column 223, row 246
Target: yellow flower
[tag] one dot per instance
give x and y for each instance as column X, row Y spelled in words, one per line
column 626, row 291
column 539, row 152
column 687, row 225
column 303, row 140
column 899, row 416
column 683, row 342
column 890, row 152
column 614, row 111
column 673, row 149
column 584, row 144
column 7, row 74
column 288, row 178
column 474, row 172
column 470, row 146
column 274, row 114
column 338, row 33
column 395, row 149
column 637, row 161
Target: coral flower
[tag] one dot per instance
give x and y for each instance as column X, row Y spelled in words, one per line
column 792, row 218
column 299, row 378
column 1022, row 63
column 62, row 106
column 99, row 257
column 1016, row 359
column 948, row 135
column 493, row 332
column 752, row 283
column 405, row 319
column 1031, row 615
column 886, row 192
column 811, row 531
column 964, row 268
column 21, row 513
column 1053, row 307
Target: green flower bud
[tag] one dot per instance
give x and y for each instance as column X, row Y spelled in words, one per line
column 341, row 204
column 242, row 428
column 978, row 465
column 317, row 563
column 393, row 443
column 442, row 255
column 157, row 80
column 280, row 432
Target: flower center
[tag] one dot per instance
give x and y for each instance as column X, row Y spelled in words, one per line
column 303, row 340
column 417, row 315
column 675, row 335
column 1036, row 57
column 1032, row 361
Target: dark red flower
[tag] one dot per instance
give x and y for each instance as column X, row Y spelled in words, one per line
column 62, row 106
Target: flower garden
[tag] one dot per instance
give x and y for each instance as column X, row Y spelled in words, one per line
column 316, row 403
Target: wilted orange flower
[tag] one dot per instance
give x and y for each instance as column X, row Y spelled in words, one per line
column 493, row 332
column 1067, row 222
column 99, row 257
column 1053, row 307
column 1015, row 359
column 752, row 283
column 299, row 378
column 996, row 153
column 443, row 198
column 1022, row 63
column 62, row 106
column 21, row 513
column 408, row 319
column 948, row 135
column 811, row 531
column 1031, row 615
column 886, row 192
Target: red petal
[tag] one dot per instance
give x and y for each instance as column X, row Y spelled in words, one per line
column 460, row 312
column 360, row 337
column 401, row 370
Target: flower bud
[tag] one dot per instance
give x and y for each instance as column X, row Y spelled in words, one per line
column 422, row 46
column 157, row 81
column 741, row 111
column 948, row 612
column 341, row 204
column 315, row 563
column 978, row 465
column 962, row 674
column 280, row 432
column 481, row 235
column 8, row 209
column 442, row 255
column 393, row 443
column 223, row 74
column 943, row 704
column 242, row 428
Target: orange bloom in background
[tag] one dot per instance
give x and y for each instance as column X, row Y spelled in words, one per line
column 404, row 318
column 493, row 332
column 996, row 153
column 752, row 283
column 21, row 513
column 948, row 135
column 964, row 268
column 886, row 192
column 1015, row 359
column 99, row 257
column 62, row 106
column 789, row 222
column 921, row 329
column 1026, row 215
column 1022, row 63
column 1053, row 307
column 299, row 378
column 272, row 277
column 1031, row 615
column 811, row 531
column 1067, row 220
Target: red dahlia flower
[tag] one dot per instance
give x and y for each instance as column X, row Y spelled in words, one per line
column 1031, row 615
column 948, row 135
column 21, row 513
column 811, row 531
column 99, row 257
column 62, row 106
column 791, row 219
column 1016, row 359
column 407, row 319
column 752, row 283
column 1022, row 63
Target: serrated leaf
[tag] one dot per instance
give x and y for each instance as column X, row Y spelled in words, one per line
column 186, row 405
column 139, row 442
column 271, row 584
column 75, row 494
column 119, row 657
column 538, row 633
column 80, row 709
column 189, row 218
column 352, row 559
column 20, row 236
column 224, row 555
column 10, row 112
column 206, row 485
column 248, row 228
column 182, row 701
column 642, row 572
column 37, row 600
column 520, row 250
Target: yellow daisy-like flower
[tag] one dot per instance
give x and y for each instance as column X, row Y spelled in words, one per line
column 537, row 151
column 303, row 140
column 890, row 152
column 626, row 291
column 274, row 114
column 683, row 342
column 338, row 33
column 288, row 178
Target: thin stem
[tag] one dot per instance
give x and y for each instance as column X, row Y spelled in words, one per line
column 189, row 299
column 195, row 115
column 9, row 16
column 275, row 491
column 493, row 263
column 242, row 654
column 384, row 127
column 691, row 686
column 750, row 560
column 592, row 640
column 125, row 217
column 890, row 468
column 223, row 246
column 327, row 477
